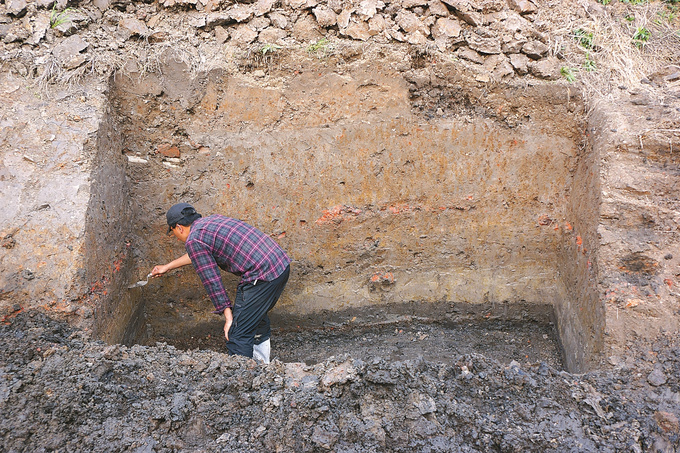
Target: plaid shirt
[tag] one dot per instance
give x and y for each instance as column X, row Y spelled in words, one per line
column 236, row 247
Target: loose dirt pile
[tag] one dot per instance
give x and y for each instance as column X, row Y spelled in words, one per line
column 60, row 392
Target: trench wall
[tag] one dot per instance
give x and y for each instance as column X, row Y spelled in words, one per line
column 381, row 191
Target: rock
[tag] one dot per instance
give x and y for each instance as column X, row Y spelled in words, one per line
column 68, row 52
column 344, row 17
column 416, row 38
column 240, row 12
column 471, row 17
column 358, row 30
column 545, row 69
column 135, row 26
column 325, row 16
column 515, row 23
column 16, row 8
column 40, row 27
column 339, row 374
column 534, row 49
column 410, row 23
column 366, row 9
column 102, row 5
column 483, row 45
column 377, row 24
column 437, row 8
column 306, row 29
column 423, row 403
column 244, row 34
column 657, row 378
column 325, row 438
column 522, row 6
column 499, row 66
column 217, row 19
column 520, row 63
column 446, row 28
column 262, row 7
column 260, row 23
column 15, row 32
column 513, row 45
column 279, row 20
column 412, row 3
column 302, row 4
column 667, row 421
column 468, row 54
column 272, row 35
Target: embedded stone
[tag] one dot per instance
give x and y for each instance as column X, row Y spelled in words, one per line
column 367, row 9
column 40, row 27
column 413, row 3
column 16, row 7
column 520, row 63
column 168, row 150
column 468, row 54
column 243, row 34
column 221, row 34
column 68, row 52
column 417, row 37
column 344, row 17
column 325, row 16
column 534, row 49
column 272, row 35
column 446, row 28
column 471, row 17
column 358, row 30
column 262, row 7
column 483, row 45
column 410, row 22
column 134, row 26
column 279, row 20
column 306, row 29
column 241, row 12
column 547, row 68
column 522, row 6
column 377, row 24
column 438, row 8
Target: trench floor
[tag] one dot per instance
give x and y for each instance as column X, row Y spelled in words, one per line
column 408, row 338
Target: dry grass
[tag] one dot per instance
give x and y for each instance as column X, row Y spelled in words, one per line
column 614, row 57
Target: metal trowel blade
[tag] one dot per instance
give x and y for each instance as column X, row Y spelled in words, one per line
column 140, row 283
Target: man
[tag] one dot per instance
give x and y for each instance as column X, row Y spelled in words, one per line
column 216, row 242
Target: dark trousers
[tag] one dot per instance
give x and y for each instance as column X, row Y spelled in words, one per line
column 251, row 323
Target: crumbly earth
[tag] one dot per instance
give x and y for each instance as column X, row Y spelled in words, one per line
column 61, row 392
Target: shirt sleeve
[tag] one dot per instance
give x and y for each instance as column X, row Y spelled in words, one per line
column 209, row 273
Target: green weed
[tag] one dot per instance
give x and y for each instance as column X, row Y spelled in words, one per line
column 605, row 2
column 568, row 73
column 641, row 37
column 634, row 2
column 583, row 38
column 589, row 65
column 321, row 46
column 269, row 48
column 630, row 18
column 60, row 17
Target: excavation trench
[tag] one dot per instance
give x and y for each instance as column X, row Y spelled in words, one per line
column 413, row 207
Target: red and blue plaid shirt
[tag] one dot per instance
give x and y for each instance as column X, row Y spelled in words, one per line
column 236, row 247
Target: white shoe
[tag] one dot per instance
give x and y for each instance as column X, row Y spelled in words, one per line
column 261, row 351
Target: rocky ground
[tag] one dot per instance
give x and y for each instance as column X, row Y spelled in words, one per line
column 61, row 392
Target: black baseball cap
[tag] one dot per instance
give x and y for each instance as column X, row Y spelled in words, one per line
column 178, row 212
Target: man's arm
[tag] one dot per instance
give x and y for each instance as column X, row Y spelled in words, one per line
column 174, row 264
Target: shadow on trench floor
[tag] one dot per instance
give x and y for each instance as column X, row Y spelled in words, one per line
column 525, row 342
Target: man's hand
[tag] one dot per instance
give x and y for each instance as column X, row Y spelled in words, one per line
column 159, row 270
column 229, row 319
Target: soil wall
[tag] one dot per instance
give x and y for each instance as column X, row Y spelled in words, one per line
column 385, row 186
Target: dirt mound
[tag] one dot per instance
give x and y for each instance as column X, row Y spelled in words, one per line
column 61, row 392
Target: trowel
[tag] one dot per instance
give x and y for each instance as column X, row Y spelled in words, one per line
column 140, row 283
